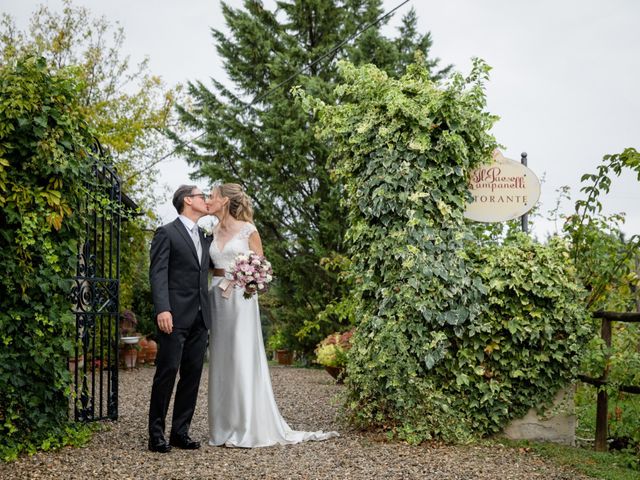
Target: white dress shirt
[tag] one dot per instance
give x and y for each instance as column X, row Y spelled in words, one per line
column 194, row 230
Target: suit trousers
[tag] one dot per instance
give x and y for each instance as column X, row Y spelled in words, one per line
column 182, row 351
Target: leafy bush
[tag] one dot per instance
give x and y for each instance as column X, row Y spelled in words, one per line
column 446, row 337
column 332, row 351
column 607, row 264
column 533, row 329
column 43, row 164
column 603, row 256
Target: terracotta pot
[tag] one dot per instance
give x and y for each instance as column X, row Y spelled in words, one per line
column 152, row 351
column 142, row 353
column 336, row 372
column 284, row 357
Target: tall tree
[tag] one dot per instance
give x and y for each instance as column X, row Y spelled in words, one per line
column 127, row 107
column 260, row 138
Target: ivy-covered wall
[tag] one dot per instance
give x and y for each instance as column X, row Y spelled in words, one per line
column 446, row 330
column 43, row 165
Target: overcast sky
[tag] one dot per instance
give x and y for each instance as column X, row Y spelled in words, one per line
column 565, row 78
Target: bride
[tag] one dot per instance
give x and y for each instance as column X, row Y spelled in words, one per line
column 242, row 408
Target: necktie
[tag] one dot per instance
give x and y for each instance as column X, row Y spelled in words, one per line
column 195, row 234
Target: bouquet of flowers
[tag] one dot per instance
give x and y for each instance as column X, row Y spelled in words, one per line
column 251, row 272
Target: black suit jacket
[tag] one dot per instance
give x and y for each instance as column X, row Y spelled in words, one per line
column 179, row 283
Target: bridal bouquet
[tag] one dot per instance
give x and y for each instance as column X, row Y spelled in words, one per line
column 251, row 272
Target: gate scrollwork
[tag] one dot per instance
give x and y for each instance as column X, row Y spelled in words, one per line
column 95, row 298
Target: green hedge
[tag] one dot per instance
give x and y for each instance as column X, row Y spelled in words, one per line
column 42, row 168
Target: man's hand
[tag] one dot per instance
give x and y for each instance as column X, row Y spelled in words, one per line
column 165, row 322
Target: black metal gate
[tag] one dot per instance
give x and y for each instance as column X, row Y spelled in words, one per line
column 95, row 297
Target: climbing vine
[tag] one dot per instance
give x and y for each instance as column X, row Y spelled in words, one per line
column 447, row 333
column 43, row 167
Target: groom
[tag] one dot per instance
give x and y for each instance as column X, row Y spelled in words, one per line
column 178, row 273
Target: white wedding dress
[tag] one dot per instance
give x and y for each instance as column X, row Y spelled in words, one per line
column 242, row 408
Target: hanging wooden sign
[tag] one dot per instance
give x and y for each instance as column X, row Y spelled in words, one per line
column 502, row 190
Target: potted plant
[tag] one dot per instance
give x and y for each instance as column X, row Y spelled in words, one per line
column 331, row 353
column 128, row 323
column 129, row 338
column 279, row 345
column 146, row 328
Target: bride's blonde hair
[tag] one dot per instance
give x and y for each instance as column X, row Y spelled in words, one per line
column 239, row 202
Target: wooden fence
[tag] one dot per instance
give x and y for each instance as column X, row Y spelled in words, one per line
column 602, row 427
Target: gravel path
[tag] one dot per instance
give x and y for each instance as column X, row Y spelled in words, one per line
column 305, row 399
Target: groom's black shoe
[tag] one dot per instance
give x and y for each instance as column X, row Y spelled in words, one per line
column 159, row 445
column 184, row 442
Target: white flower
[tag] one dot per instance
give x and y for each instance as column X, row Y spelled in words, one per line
column 208, row 230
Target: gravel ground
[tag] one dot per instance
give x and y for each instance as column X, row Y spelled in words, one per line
column 305, row 398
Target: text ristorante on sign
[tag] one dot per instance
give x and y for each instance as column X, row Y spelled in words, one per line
column 500, row 198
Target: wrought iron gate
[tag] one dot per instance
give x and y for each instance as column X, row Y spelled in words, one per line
column 95, row 297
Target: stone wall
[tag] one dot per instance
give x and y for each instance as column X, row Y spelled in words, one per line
column 558, row 425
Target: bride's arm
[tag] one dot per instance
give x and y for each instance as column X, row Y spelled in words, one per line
column 255, row 244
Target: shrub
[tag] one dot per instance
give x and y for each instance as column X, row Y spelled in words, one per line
column 332, row 351
column 528, row 341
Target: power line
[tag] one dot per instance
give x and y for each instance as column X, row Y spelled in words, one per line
column 274, row 88
column 330, row 52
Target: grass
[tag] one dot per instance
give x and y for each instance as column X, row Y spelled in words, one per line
column 624, row 422
column 603, row 465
